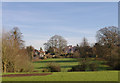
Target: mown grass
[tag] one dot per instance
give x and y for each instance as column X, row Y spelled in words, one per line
column 70, row 76
column 66, row 63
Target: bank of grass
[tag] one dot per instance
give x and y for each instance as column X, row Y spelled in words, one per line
column 66, row 63
column 70, row 76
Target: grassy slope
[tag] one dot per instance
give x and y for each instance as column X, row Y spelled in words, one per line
column 67, row 63
column 70, row 76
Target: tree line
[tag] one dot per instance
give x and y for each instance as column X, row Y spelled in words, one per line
column 107, row 46
column 16, row 57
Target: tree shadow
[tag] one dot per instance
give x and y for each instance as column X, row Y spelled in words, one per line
column 104, row 68
column 60, row 66
column 55, row 61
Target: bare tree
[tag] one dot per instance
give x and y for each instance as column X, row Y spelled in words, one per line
column 98, row 50
column 84, row 42
column 16, row 35
column 30, row 51
column 12, row 53
column 9, row 51
column 85, row 49
column 108, row 35
column 56, row 41
column 5, row 52
column 109, row 40
column 41, row 49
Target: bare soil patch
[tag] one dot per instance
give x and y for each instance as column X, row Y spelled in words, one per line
column 21, row 75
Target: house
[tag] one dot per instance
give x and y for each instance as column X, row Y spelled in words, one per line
column 42, row 54
column 37, row 54
column 69, row 49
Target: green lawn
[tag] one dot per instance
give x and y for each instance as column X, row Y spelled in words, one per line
column 67, row 63
column 70, row 76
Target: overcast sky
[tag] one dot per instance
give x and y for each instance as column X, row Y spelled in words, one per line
column 39, row 21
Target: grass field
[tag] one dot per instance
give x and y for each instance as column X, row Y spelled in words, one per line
column 70, row 76
column 67, row 63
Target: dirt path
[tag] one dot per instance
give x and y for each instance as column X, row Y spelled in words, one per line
column 21, row 75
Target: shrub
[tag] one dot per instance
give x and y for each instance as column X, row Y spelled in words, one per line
column 76, row 68
column 45, row 70
column 54, row 67
column 84, row 65
column 81, row 67
column 116, row 65
column 93, row 66
column 22, row 64
column 114, row 62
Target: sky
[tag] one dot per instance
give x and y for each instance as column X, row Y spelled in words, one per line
column 60, row 0
column 38, row 21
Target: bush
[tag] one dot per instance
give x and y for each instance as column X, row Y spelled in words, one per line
column 22, row 64
column 84, row 65
column 54, row 67
column 114, row 62
column 117, row 66
column 75, row 68
column 93, row 66
column 45, row 70
column 81, row 67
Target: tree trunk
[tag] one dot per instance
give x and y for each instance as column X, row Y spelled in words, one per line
column 4, row 68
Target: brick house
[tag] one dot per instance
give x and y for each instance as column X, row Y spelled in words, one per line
column 69, row 49
column 37, row 54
